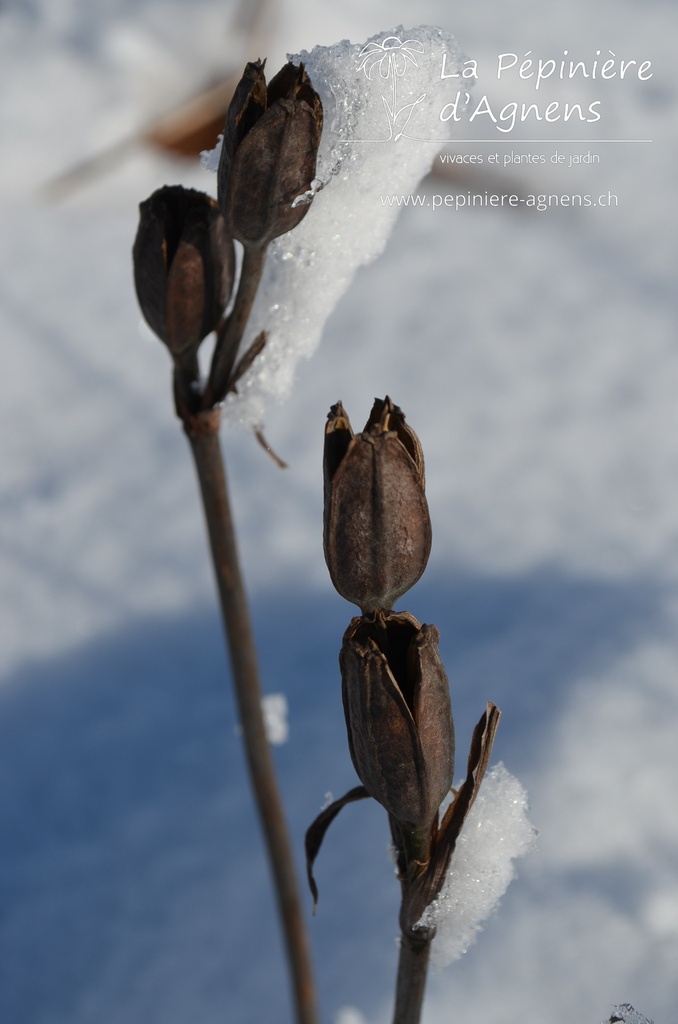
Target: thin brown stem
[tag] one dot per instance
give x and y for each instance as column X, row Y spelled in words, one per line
column 229, row 339
column 411, row 982
column 202, row 431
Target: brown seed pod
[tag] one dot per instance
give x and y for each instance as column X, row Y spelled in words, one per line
column 398, row 714
column 269, row 151
column 184, row 265
column 377, row 529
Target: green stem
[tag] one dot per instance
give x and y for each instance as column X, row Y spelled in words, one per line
column 202, row 431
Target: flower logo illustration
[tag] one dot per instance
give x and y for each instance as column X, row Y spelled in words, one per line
column 391, row 59
column 391, row 56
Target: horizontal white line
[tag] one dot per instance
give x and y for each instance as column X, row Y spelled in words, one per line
column 544, row 142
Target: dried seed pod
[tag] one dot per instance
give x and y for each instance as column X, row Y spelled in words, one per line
column 398, row 714
column 269, row 151
column 184, row 266
column 377, row 530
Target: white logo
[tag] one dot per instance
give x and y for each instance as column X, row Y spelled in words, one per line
column 388, row 61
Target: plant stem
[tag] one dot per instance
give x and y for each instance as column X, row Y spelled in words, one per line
column 202, row 432
column 230, row 337
column 411, row 983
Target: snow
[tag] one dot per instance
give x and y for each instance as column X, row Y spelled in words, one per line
column 274, row 708
column 535, row 355
column 626, row 1013
column 496, row 832
column 349, row 1015
column 275, row 718
column 363, row 157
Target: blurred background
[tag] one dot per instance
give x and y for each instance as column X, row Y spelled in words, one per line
column 536, row 356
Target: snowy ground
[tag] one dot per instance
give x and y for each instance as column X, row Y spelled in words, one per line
column 536, row 356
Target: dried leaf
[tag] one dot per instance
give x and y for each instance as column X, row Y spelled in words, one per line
column 246, row 360
column 316, row 833
column 421, row 893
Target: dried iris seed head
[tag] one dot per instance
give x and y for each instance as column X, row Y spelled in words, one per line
column 184, row 265
column 377, row 530
column 269, row 152
column 398, row 714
